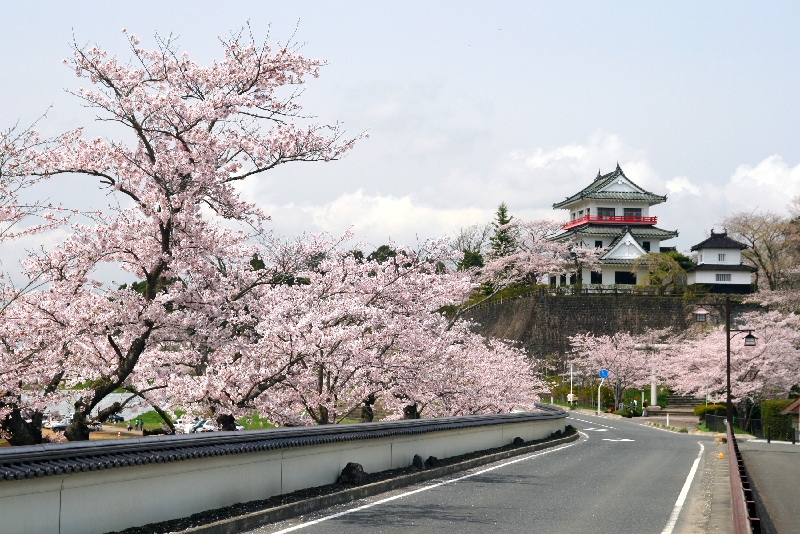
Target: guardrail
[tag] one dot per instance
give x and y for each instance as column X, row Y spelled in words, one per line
column 100, row 486
column 743, row 505
column 610, row 219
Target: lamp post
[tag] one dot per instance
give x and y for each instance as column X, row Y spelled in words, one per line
column 749, row 341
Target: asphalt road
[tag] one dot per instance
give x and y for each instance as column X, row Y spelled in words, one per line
column 774, row 471
column 620, row 477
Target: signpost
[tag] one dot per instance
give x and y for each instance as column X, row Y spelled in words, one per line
column 603, row 375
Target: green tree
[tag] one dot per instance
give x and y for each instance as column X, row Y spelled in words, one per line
column 662, row 269
column 684, row 261
column 470, row 259
column 382, row 254
column 503, row 242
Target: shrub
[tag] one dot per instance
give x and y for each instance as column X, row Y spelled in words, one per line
column 780, row 425
column 712, row 409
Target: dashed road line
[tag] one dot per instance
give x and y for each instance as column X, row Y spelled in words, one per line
column 591, row 422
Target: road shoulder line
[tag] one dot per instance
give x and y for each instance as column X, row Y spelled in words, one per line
column 262, row 517
column 676, row 510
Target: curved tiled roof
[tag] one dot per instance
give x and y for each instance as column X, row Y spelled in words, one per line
column 720, row 240
column 615, row 230
column 616, row 261
column 17, row 463
column 593, row 191
column 721, row 267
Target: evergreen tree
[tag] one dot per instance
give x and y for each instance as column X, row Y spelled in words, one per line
column 503, row 242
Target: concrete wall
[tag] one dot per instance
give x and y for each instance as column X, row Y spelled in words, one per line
column 115, row 499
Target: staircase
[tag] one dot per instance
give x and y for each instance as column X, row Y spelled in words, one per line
column 681, row 404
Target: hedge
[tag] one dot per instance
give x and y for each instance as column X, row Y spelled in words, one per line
column 780, row 425
column 712, row 409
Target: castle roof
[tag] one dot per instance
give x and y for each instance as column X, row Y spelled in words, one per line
column 610, row 230
column 599, row 189
column 720, row 240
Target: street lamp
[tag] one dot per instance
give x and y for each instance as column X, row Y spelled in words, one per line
column 700, row 315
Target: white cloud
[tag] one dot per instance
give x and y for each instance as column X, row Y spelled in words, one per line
column 681, row 185
column 770, row 185
column 379, row 218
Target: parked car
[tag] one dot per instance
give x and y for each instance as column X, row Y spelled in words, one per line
column 115, row 418
column 94, row 426
column 61, row 426
column 192, row 426
column 209, row 425
column 239, row 427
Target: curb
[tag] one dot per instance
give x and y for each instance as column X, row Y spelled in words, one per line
column 279, row 513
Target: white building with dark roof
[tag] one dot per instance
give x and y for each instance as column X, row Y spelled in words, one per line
column 719, row 265
column 613, row 213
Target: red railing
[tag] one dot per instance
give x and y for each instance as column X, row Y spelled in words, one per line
column 610, row 219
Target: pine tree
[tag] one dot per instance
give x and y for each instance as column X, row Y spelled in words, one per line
column 503, row 242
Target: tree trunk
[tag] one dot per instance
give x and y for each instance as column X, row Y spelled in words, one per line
column 323, row 416
column 411, row 412
column 22, row 432
column 367, row 412
column 226, row 422
column 78, row 430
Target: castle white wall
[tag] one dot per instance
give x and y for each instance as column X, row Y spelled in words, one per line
column 711, row 256
column 709, row 277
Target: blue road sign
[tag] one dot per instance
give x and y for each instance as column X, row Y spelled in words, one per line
column 603, row 373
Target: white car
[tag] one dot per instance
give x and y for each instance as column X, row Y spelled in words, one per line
column 208, row 426
column 191, row 426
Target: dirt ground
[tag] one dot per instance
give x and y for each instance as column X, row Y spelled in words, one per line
column 108, row 432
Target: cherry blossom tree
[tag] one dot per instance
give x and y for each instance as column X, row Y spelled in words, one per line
column 533, row 256
column 620, row 354
column 336, row 332
column 772, row 241
column 224, row 319
column 20, row 421
column 197, row 130
column 767, row 370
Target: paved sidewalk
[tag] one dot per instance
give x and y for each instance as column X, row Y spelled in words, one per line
column 774, row 471
column 708, row 507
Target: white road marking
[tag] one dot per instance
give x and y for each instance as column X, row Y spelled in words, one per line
column 426, row 488
column 595, row 429
column 676, row 510
column 591, row 422
column 622, row 439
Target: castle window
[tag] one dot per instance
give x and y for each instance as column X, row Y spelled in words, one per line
column 598, row 244
column 646, row 245
column 636, row 213
column 723, row 277
column 597, row 278
column 624, row 277
column 721, row 257
column 605, row 212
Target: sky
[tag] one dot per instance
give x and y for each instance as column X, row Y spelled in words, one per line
column 470, row 104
